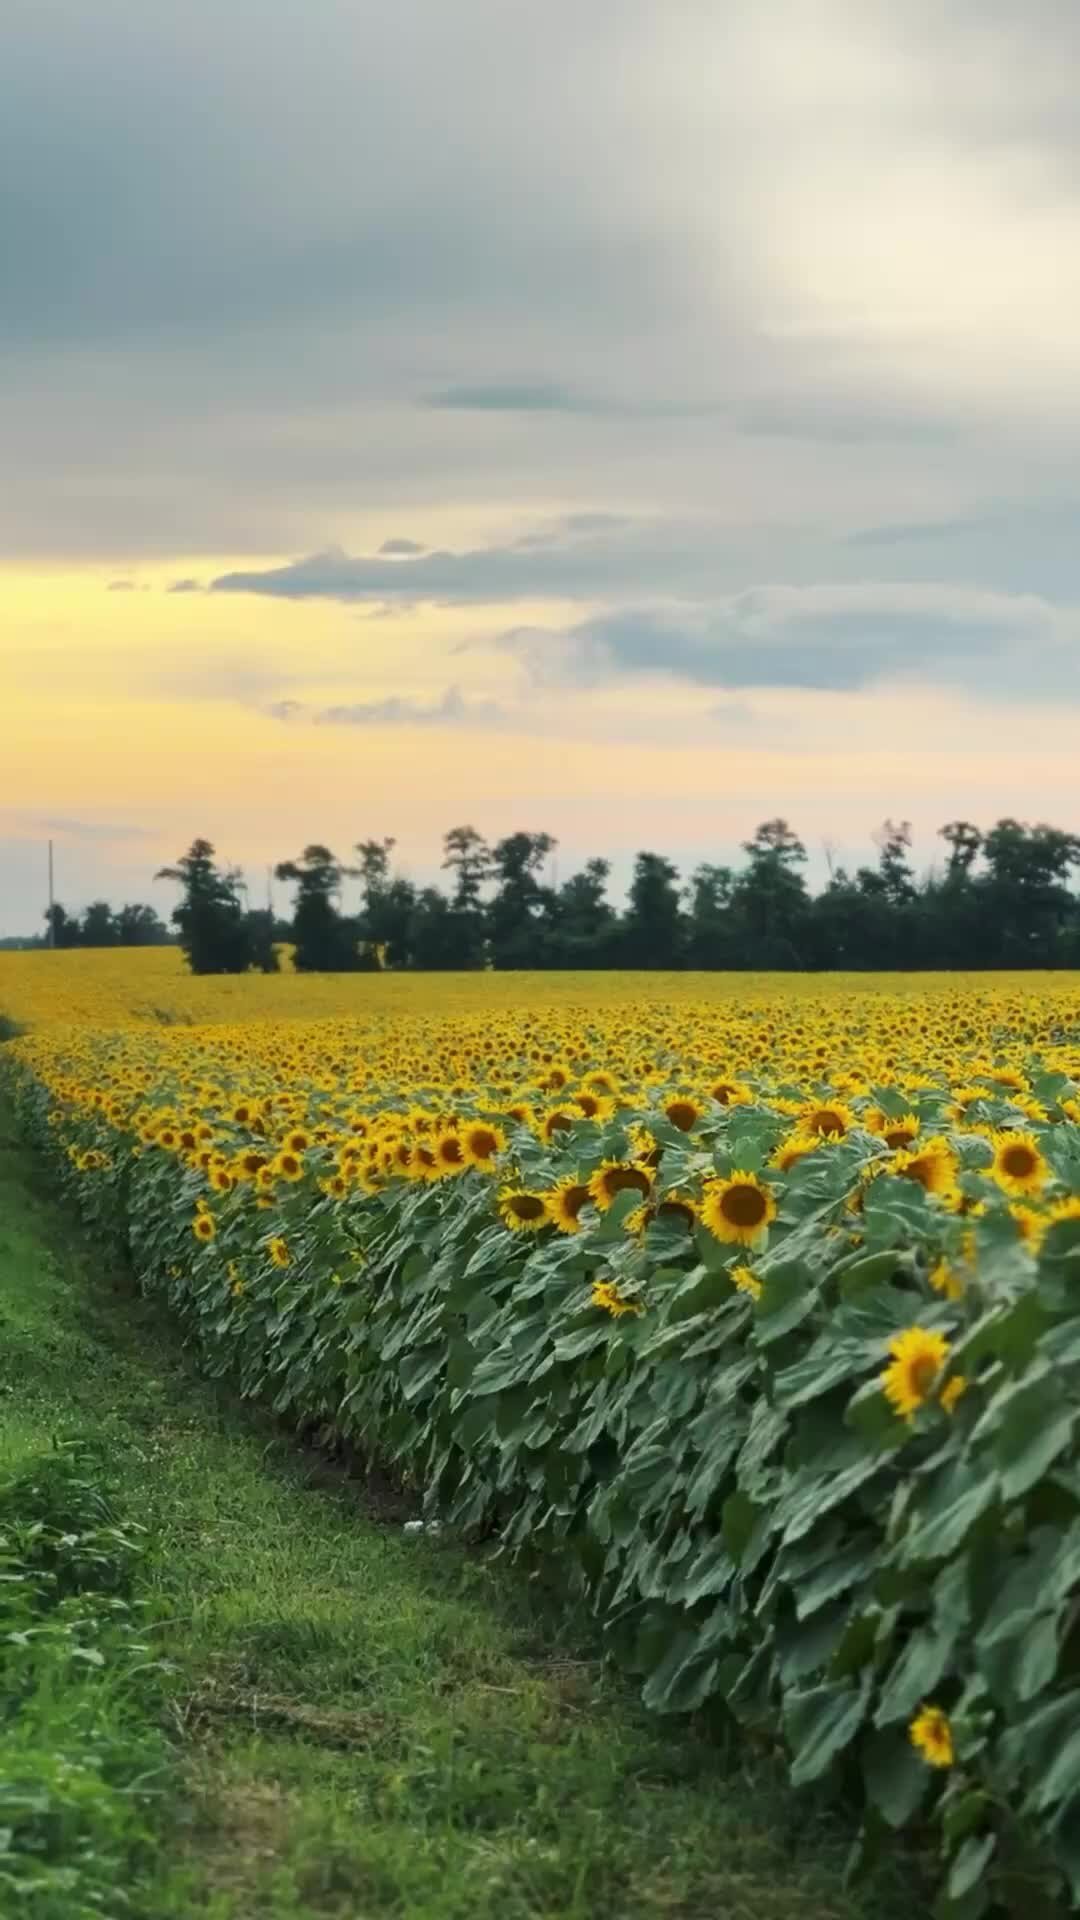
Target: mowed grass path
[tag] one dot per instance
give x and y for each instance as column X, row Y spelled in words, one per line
column 356, row 1723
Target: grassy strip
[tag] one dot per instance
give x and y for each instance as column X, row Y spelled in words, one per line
column 354, row 1721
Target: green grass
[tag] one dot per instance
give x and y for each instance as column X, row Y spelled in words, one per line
column 354, row 1722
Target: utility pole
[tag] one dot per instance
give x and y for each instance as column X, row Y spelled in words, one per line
column 270, row 891
column 52, row 920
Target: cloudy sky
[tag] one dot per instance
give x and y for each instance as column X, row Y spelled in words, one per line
column 629, row 419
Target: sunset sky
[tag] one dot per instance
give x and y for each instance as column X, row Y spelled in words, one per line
column 627, row 418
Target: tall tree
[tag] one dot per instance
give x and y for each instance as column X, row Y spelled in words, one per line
column 98, row 929
column 466, row 856
column 710, row 934
column 214, row 934
column 770, row 898
column 516, row 913
column 326, row 941
column 652, row 930
column 581, row 920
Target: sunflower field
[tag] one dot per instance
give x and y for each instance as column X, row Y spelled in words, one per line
column 751, row 1304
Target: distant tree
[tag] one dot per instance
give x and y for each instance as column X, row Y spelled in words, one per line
column 652, row 929
column 139, row 926
column 326, row 941
column 98, row 928
column 65, row 929
column 214, row 934
column 516, row 921
column 769, row 899
column 389, row 904
column 964, row 842
column 466, row 856
column 710, row 933
column 581, row 921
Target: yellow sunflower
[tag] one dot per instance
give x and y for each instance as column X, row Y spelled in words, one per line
column 737, row 1209
column 613, row 1177
column 606, row 1294
column 918, row 1356
column 450, row 1154
column 203, row 1227
column 829, row 1120
column 278, row 1251
column 1018, row 1164
column 683, row 1111
column 288, row 1166
column 522, row 1210
column 931, row 1736
column 932, row 1165
column 482, row 1142
column 565, row 1201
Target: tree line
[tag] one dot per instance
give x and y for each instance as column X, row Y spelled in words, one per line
column 134, row 925
column 999, row 898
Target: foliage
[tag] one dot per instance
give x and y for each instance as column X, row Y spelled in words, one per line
column 217, row 934
column 778, row 1362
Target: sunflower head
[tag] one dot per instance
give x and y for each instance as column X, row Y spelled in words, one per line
column 931, row 1736
column 917, row 1356
column 829, row 1120
column 613, row 1177
column 482, row 1142
column 523, row 1210
column 450, row 1154
column 1018, row 1164
column 683, row 1111
column 203, row 1227
column 565, row 1201
column 932, row 1165
column 737, row 1209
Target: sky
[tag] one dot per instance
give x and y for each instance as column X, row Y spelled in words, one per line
column 628, row 420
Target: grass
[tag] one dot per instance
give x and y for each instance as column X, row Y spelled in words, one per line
column 354, row 1721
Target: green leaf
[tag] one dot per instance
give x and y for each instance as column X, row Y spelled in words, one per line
column 788, row 1296
column 896, row 1777
column 916, row 1673
column 970, row 1864
column 819, row 1724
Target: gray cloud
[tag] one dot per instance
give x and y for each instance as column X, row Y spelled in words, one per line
column 526, row 397
column 452, row 709
column 187, row 585
column 834, row 638
column 407, row 548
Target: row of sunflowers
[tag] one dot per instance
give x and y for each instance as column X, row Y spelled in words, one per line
column 756, row 1311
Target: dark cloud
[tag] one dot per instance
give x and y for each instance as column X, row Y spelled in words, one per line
column 407, row 548
column 847, row 419
column 187, row 585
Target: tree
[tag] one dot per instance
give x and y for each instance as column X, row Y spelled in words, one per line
column 1027, row 911
column 710, row 933
column 98, row 929
column 389, row 905
column 139, row 926
column 770, row 899
column 214, row 934
column 581, row 922
column 466, row 856
column 326, row 941
column 652, row 930
column 64, row 929
column 515, row 914
column 964, row 842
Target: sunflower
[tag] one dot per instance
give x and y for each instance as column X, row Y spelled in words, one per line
column 745, row 1281
column 248, row 1164
column 931, row 1736
column 895, row 1133
column 918, row 1356
column 565, row 1201
column 829, row 1122
column 558, row 1120
column 482, row 1142
column 523, row 1210
column 450, row 1154
column 945, row 1279
column 952, row 1391
column 932, row 1165
column 221, row 1180
column 683, row 1111
column 737, row 1209
column 279, row 1252
column 297, row 1141
column 730, row 1093
column 1018, row 1164
column 288, row 1166
column 203, row 1227
column 680, row 1209
column 1068, row 1209
column 593, row 1106
column 605, row 1294
column 793, row 1149
column 613, row 1177
column 1030, row 1226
